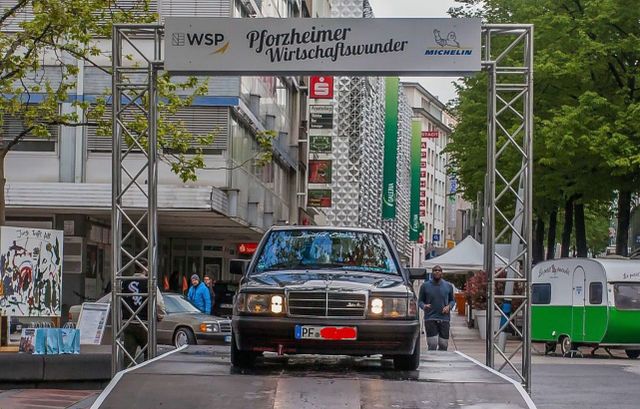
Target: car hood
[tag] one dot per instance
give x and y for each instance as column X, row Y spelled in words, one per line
column 193, row 317
column 327, row 280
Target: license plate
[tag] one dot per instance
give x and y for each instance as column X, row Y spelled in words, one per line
column 326, row 333
column 226, row 305
column 227, row 338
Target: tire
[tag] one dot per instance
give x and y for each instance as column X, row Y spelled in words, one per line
column 632, row 353
column 550, row 347
column 183, row 336
column 241, row 359
column 566, row 345
column 408, row 362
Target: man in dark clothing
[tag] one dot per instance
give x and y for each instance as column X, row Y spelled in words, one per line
column 210, row 283
column 436, row 299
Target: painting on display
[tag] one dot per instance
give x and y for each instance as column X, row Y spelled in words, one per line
column 30, row 272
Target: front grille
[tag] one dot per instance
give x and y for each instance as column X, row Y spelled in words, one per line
column 326, row 304
column 225, row 326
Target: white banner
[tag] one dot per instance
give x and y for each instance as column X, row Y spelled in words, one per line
column 379, row 46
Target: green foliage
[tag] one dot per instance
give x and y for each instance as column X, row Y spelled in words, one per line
column 587, row 103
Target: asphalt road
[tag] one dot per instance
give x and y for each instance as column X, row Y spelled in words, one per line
column 586, row 383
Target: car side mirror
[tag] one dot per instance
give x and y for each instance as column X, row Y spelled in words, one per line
column 238, row 267
column 417, row 273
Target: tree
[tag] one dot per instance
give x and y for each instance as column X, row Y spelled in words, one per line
column 60, row 33
column 587, row 139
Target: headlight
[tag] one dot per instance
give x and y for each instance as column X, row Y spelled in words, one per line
column 389, row 307
column 260, row 303
column 376, row 306
column 277, row 304
column 209, row 327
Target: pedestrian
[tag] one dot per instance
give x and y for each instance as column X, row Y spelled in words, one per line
column 210, row 283
column 199, row 295
column 436, row 299
column 135, row 335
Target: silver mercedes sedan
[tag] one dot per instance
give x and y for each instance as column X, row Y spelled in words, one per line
column 183, row 324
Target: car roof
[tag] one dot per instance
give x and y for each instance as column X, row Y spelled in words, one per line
column 325, row 228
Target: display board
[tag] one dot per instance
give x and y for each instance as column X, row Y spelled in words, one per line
column 31, row 272
column 277, row 46
column 92, row 322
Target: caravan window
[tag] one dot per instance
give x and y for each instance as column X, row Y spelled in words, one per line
column 541, row 293
column 595, row 293
column 627, row 296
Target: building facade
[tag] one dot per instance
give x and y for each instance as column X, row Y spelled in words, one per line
column 435, row 185
column 65, row 182
column 353, row 196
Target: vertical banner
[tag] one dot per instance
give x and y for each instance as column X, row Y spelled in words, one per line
column 414, row 212
column 390, row 149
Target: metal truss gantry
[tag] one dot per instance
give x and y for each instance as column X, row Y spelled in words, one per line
column 134, row 97
column 508, row 61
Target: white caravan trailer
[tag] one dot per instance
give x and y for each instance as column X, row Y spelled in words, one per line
column 587, row 302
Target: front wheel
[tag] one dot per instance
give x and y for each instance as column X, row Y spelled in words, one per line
column 408, row 362
column 241, row 359
column 632, row 353
column 183, row 336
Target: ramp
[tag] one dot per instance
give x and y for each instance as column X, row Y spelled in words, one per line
column 200, row 377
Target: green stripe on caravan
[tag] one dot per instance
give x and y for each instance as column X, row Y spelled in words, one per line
column 435, row 51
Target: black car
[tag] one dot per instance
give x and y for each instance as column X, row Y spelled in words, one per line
column 325, row 290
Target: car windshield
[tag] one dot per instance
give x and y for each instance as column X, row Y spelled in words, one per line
column 627, row 296
column 318, row 249
column 177, row 304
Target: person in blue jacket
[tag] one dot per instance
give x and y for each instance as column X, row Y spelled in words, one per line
column 199, row 295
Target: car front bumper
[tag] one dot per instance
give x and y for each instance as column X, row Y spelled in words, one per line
column 208, row 338
column 277, row 334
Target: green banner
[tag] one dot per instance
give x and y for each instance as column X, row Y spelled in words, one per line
column 414, row 210
column 390, row 149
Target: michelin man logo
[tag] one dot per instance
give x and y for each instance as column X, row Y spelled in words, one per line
column 449, row 41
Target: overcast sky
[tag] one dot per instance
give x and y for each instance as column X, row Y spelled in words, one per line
column 441, row 87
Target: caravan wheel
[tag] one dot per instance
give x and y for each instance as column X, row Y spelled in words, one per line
column 565, row 345
column 632, row 353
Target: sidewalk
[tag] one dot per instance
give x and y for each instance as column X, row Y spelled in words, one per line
column 465, row 339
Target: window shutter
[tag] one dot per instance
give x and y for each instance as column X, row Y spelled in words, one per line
column 198, row 121
column 24, row 14
column 200, row 8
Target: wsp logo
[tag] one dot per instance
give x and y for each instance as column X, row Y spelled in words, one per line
column 217, row 40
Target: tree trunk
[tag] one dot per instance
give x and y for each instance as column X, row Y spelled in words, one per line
column 538, row 242
column 551, row 236
column 566, row 230
column 581, row 234
column 624, row 216
column 3, row 182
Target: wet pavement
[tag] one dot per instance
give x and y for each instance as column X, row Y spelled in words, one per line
column 46, row 399
column 202, row 376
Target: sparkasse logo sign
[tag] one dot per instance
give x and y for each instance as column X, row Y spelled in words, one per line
column 217, row 40
column 447, row 45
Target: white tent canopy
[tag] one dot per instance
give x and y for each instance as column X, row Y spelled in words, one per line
column 468, row 255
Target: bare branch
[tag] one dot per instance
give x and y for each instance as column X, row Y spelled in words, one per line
column 15, row 140
column 13, row 10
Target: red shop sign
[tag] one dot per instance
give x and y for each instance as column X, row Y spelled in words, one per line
column 247, row 249
column 321, row 87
